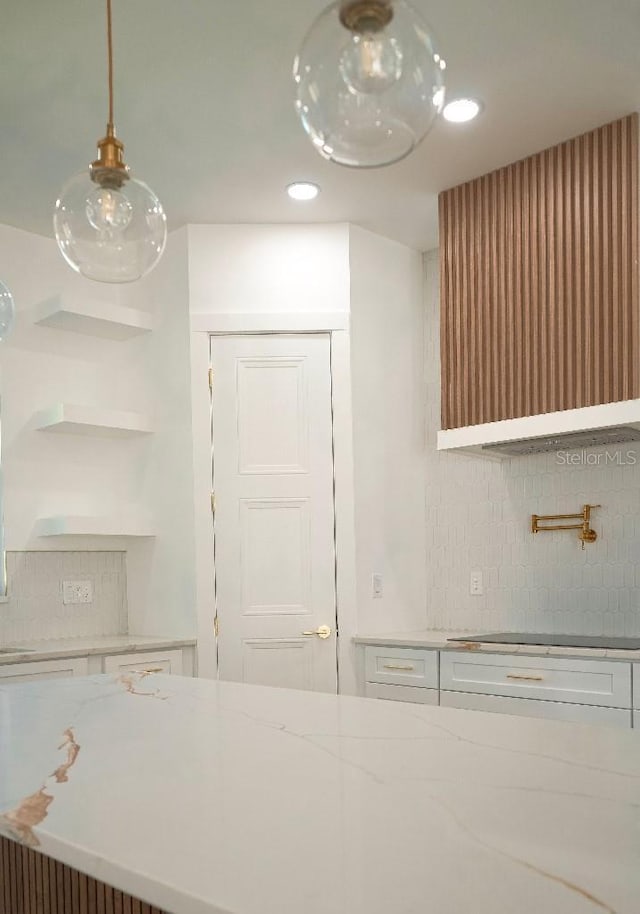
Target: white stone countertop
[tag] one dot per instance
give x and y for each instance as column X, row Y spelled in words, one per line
column 83, row 647
column 438, row 640
column 221, row 798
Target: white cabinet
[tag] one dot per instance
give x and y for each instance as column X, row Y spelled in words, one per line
column 169, row 661
column 401, row 674
column 528, row 707
column 44, row 669
column 577, row 681
column 178, row 661
column 529, row 685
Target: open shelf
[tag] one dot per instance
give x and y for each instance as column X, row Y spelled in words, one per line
column 78, row 525
column 91, row 420
column 101, row 319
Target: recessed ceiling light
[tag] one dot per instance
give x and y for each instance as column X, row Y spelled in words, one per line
column 303, row 190
column 461, row 110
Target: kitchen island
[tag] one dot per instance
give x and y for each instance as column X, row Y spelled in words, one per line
column 218, row 798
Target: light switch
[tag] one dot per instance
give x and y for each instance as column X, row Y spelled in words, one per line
column 376, row 586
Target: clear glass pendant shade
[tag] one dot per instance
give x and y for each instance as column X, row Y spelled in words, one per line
column 7, row 312
column 109, row 234
column 367, row 97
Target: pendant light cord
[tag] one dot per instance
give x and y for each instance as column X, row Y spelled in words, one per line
column 110, row 64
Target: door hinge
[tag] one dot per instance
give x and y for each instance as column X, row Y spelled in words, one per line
column 211, row 380
column 216, row 626
column 213, row 502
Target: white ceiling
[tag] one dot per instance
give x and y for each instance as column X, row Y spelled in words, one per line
column 204, row 103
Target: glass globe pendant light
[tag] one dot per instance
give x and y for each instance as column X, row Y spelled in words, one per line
column 109, row 226
column 369, row 82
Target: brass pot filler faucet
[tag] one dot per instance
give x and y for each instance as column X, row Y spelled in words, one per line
column 586, row 535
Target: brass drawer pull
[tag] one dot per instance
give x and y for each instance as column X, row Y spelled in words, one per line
column 391, row 666
column 151, row 669
column 525, row 678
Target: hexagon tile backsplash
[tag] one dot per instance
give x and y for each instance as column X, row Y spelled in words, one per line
column 35, row 609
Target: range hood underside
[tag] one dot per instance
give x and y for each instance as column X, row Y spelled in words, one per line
column 608, row 424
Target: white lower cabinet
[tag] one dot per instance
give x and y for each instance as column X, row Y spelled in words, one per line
column 147, row 662
column 563, row 679
column 178, row 661
column 529, row 685
column 530, row 707
column 401, row 674
column 44, row 669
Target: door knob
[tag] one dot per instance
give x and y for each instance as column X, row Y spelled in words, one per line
column 322, row 632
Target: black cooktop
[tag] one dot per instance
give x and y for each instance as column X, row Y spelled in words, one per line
column 602, row 641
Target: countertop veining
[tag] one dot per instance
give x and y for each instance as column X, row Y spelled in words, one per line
column 220, row 798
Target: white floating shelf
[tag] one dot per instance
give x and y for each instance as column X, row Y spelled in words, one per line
column 112, row 322
column 91, row 420
column 77, row 525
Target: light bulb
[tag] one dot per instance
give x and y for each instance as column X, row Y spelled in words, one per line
column 7, row 311
column 108, row 210
column 371, row 63
column 369, row 82
column 109, row 234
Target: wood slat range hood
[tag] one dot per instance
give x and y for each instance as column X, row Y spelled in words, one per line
column 540, row 316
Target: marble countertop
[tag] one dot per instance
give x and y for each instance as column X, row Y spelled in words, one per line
column 84, row 647
column 438, row 640
column 220, row 798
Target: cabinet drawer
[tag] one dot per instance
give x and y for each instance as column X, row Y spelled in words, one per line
column 44, row 669
column 636, row 685
column 402, row 666
column 147, row 662
column 528, row 707
column 586, row 682
column 401, row 693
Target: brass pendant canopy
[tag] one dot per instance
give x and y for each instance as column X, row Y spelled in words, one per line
column 109, row 169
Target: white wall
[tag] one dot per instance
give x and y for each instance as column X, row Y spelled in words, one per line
column 162, row 570
column 47, row 474
column 478, row 517
column 388, row 430
column 268, row 268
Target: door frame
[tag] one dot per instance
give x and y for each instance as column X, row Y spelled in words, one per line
column 337, row 325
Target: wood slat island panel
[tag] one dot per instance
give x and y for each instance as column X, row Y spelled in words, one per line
column 32, row 883
column 539, row 282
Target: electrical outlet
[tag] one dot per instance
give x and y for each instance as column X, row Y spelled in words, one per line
column 476, row 586
column 376, row 586
column 77, row 592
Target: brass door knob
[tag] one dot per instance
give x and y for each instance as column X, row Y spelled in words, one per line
column 322, row 632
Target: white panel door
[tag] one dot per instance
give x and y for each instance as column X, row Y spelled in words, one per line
column 274, row 517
